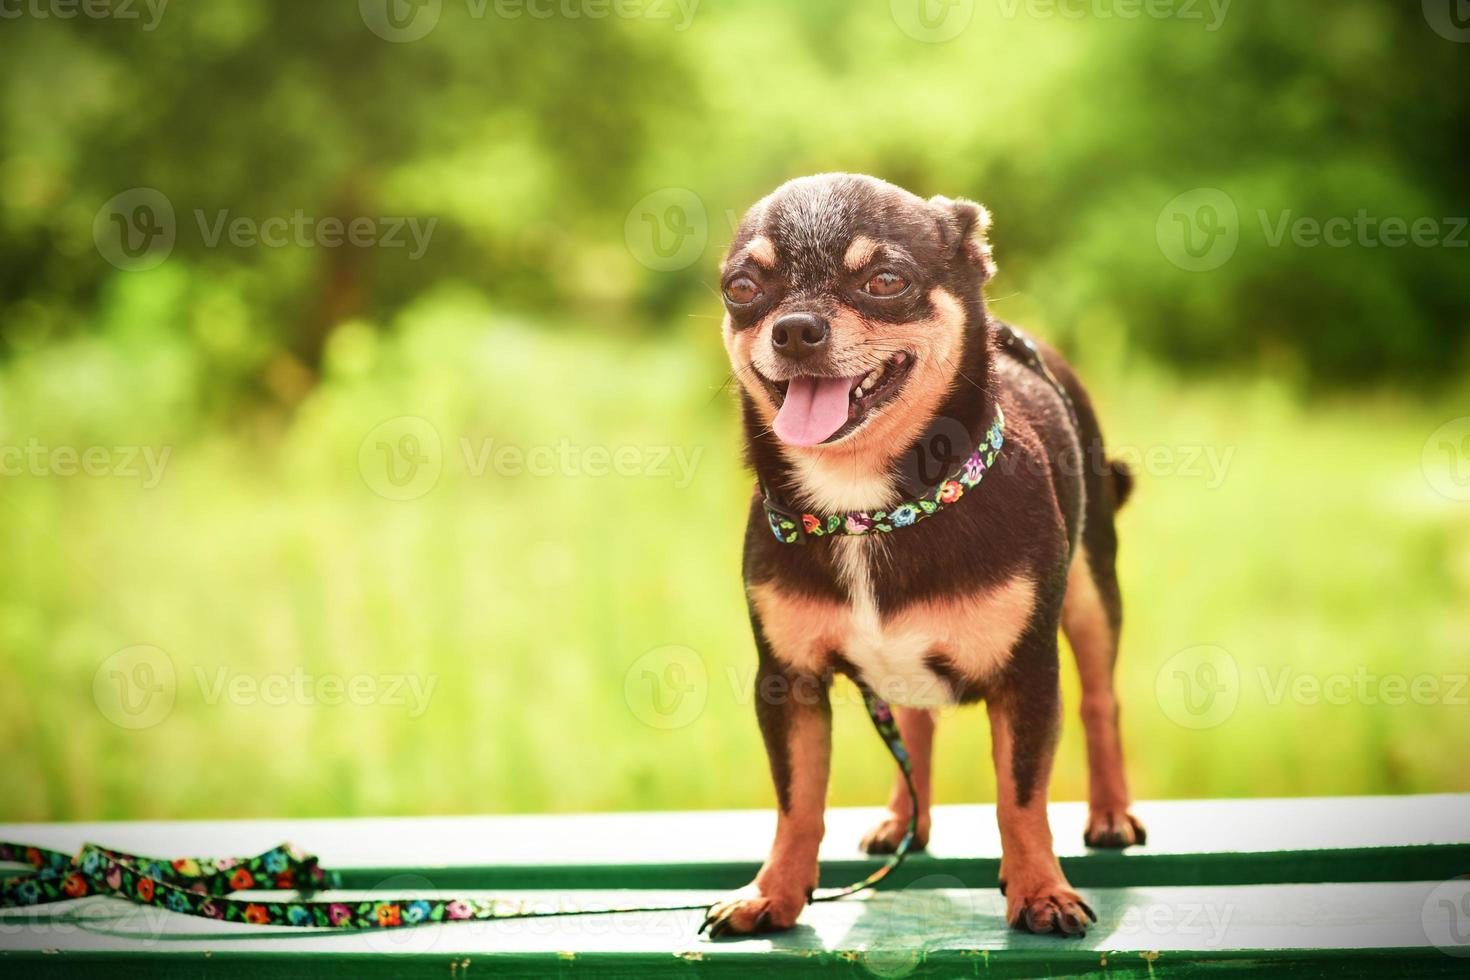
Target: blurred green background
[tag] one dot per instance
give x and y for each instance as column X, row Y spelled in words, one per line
column 446, row 519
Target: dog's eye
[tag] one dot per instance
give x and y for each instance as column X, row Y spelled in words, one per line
column 742, row 291
column 886, row 284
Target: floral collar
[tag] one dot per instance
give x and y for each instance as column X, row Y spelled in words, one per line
column 794, row 527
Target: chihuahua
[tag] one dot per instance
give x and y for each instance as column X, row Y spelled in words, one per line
column 933, row 504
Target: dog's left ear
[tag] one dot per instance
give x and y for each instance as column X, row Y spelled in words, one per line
column 964, row 228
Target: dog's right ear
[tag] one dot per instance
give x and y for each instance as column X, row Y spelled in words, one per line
column 964, row 228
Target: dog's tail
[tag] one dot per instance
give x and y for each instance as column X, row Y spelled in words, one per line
column 1122, row 482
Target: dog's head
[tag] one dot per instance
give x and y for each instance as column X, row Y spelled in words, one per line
column 849, row 307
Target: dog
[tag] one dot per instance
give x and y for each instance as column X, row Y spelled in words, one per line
column 934, row 502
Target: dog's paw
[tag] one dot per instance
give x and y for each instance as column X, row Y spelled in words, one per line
column 1052, row 909
column 751, row 911
column 1113, row 829
column 888, row 834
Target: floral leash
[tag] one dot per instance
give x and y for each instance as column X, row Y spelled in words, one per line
column 203, row 886
column 794, row 527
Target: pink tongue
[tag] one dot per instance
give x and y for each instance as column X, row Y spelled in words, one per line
column 814, row 409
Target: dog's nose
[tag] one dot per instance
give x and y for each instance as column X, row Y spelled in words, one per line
column 799, row 335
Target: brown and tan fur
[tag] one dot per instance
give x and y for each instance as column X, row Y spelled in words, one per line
column 965, row 606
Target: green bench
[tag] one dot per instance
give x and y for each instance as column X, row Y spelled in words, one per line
column 1342, row 887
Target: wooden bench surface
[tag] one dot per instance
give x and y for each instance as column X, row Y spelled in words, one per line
column 1350, row 886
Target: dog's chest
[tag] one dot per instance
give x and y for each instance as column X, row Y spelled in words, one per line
column 921, row 654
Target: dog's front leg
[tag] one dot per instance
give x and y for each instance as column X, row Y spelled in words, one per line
column 795, row 715
column 1025, row 716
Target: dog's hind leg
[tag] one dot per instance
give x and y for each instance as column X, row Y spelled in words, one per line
column 1091, row 618
column 916, row 725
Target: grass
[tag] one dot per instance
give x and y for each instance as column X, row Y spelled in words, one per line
column 579, row 642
